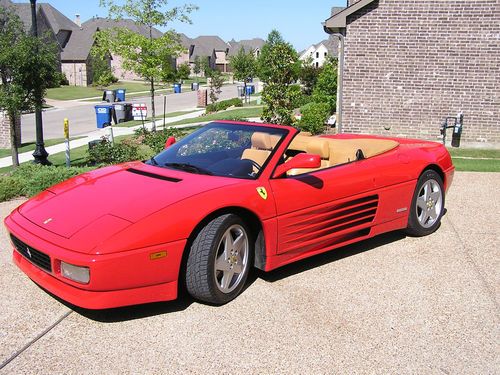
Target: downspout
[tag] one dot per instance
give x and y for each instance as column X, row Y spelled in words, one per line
column 340, row 81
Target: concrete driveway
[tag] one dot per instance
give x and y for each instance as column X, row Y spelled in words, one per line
column 392, row 304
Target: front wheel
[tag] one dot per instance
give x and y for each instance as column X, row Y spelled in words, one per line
column 427, row 206
column 219, row 260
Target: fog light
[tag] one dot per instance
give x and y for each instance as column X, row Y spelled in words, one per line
column 75, row 273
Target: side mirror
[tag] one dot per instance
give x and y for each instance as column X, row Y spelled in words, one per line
column 298, row 161
column 170, row 141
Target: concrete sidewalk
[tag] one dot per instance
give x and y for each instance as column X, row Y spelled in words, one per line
column 97, row 134
column 389, row 305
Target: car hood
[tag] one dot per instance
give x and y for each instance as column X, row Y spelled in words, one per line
column 116, row 196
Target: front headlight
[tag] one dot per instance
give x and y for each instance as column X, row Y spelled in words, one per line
column 75, row 273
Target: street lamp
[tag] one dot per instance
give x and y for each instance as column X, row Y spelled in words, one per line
column 40, row 153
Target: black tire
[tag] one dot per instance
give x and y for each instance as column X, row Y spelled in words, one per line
column 203, row 281
column 420, row 222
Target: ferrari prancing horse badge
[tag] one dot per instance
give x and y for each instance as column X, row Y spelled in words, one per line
column 262, row 192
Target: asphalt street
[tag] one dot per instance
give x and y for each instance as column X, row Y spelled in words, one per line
column 82, row 114
column 392, row 304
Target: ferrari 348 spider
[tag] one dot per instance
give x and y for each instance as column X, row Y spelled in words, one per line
column 226, row 198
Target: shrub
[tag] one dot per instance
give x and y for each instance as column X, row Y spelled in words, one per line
column 155, row 140
column 105, row 152
column 314, row 116
column 58, row 80
column 30, row 179
column 224, row 104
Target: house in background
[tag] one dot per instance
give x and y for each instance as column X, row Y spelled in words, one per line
column 211, row 47
column 408, row 65
column 255, row 45
column 319, row 53
column 76, row 58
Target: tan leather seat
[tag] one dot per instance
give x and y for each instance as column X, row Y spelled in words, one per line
column 315, row 146
column 262, row 145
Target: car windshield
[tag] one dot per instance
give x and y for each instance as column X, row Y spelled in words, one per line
column 222, row 149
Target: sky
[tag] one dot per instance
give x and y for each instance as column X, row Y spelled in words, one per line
column 299, row 21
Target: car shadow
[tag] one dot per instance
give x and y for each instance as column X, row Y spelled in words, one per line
column 184, row 300
column 330, row 256
column 126, row 313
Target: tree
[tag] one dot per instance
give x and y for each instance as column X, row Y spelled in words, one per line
column 244, row 66
column 102, row 74
column 308, row 75
column 197, row 68
column 144, row 55
column 325, row 90
column 278, row 67
column 216, row 82
column 24, row 75
column 183, row 71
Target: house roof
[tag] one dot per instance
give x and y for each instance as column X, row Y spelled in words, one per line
column 247, row 44
column 82, row 39
column 205, row 45
column 56, row 20
column 338, row 21
column 331, row 46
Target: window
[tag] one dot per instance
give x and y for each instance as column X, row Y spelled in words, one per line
column 317, row 54
column 317, row 64
column 326, row 54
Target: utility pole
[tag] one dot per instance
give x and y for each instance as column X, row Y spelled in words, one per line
column 40, row 153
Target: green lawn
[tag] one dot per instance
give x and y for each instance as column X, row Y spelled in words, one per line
column 231, row 114
column 132, row 123
column 470, row 159
column 78, row 92
column 25, row 147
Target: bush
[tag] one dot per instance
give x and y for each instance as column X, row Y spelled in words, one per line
column 223, row 105
column 314, row 116
column 30, row 179
column 58, row 80
column 155, row 140
column 105, row 152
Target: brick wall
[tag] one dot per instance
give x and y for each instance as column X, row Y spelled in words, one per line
column 408, row 64
column 76, row 73
column 5, row 130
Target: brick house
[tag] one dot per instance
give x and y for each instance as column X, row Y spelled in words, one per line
column 408, row 64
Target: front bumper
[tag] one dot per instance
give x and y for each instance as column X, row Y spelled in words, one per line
column 120, row 279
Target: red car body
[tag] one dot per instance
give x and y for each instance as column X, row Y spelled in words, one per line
column 132, row 230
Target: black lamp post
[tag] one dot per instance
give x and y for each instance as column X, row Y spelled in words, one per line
column 40, row 153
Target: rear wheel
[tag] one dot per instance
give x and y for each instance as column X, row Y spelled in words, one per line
column 219, row 260
column 427, row 206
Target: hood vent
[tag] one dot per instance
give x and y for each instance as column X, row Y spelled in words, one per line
column 153, row 175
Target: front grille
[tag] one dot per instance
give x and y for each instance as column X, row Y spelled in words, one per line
column 34, row 256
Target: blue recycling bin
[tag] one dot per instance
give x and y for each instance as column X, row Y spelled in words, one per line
column 103, row 113
column 177, row 88
column 120, row 95
column 250, row 90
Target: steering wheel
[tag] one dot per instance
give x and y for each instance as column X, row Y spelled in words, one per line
column 254, row 164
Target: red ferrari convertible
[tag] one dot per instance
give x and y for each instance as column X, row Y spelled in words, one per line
column 226, row 198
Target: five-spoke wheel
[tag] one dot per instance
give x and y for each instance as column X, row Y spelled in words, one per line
column 427, row 204
column 219, row 260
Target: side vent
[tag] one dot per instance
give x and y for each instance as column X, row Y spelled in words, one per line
column 153, row 175
column 330, row 225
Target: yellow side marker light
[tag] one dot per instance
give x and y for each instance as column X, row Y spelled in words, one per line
column 157, row 255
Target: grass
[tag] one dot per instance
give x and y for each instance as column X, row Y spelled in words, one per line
column 30, row 146
column 132, row 123
column 232, row 114
column 490, row 163
column 80, row 92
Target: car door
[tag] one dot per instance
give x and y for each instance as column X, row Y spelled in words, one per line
column 317, row 210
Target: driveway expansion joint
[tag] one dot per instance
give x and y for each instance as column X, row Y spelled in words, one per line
column 38, row 337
